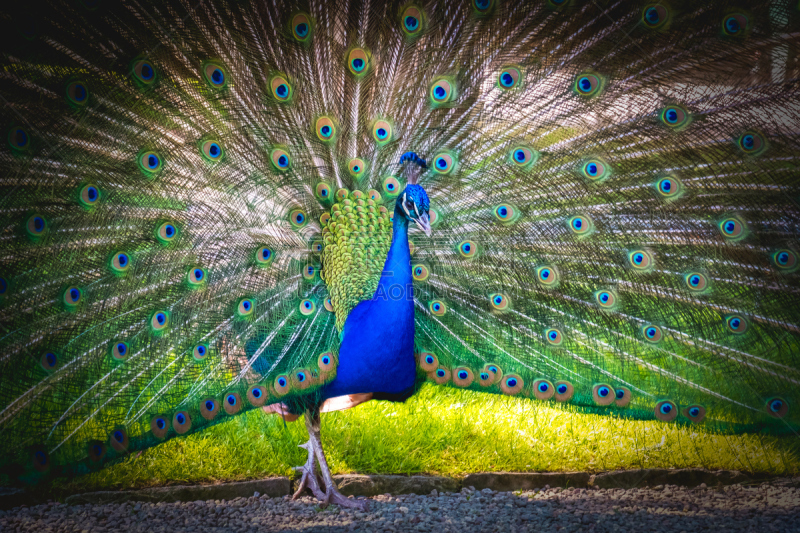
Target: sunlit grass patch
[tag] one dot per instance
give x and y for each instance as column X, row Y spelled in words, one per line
column 446, row 432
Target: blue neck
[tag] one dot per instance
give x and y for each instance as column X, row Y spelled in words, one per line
column 397, row 270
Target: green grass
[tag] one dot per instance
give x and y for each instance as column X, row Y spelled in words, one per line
column 447, row 432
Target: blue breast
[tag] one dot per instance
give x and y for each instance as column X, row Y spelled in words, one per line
column 377, row 349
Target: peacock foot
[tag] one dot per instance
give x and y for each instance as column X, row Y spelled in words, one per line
column 309, row 470
column 309, row 479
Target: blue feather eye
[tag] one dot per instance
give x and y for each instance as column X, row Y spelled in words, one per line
column 442, row 90
column 35, row 226
column 309, row 272
column 605, row 299
column 588, row 84
column 603, row 394
column 280, row 159
column 420, row 272
column 307, row 307
column 652, row 333
column 548, row 276
column 323, row 192
column 212, row 151
column 391, row 187
column 668, row 188
column 543, row 389
column 166, row 232
column 696, row 282
column 553, row 336
column 622, row 396
column 159, row 426
column 735, row 25
column 144, row 72
column 232, row 403
column 674, row 116
column 463, row 376
column 3, row 286
column 195, row 277
column 428, row 361
column 257, row 395
column 77, row 93
column 509, row 78
column 732, row 228
column 382, row 132
column 483, row 6
column 282, row 385
column 150, row 163
column 595, row 170
column 326, row 362
column 358, row 61
column 437, row 308
column 785, row 260
column 159, row 321
column 245, row 307
column 89, row 195
column 444, row 163
column 19, row 139
column 777, row 407
column 666, row 411
column 264, row 256
column 655, row 16
column 302, row 27
column 467, row 249
column 640, row 260
column 736, row 324
column 325, row 128
column 209, row 408
column 72, row 297
column 357, row 167
column 511, row 384
column 280, row 88
column 752, row 143
column 328, row 303
column 301, row 379
column 564, row 391
column 580, row 225
column 200, row 352
column 412, row 21
column 695, row 413
column 118, row 439
column 119, row 350
column 499, row 302
column 181, row 422
column 49, row 361
column 505, row 213
column 523, row 156
column 297, row 218
column 215, row 74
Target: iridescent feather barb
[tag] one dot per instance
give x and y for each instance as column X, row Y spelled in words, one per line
column 203, row 213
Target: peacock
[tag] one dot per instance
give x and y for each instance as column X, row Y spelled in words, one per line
column 299, row 206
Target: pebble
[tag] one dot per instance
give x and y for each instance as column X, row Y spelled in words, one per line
column 773, row 506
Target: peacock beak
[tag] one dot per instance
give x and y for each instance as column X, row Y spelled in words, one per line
column 424, row 222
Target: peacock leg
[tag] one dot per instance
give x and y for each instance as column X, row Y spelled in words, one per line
column 309, row 470
column 332, row 494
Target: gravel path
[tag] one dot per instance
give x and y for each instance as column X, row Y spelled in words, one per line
column 773, row 507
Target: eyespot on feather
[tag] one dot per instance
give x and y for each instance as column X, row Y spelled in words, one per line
column 264, row 255
column 19, row 139
column 328, row 305
column 36, row 227
column 564, row 391
column 735, row 25
column 196, row 277
column 509, row 78
column 606, row 299
column 159, row 321
column 511, row 384
column 543, row 389
column 444, row 163
column 280, row 159
column 420, row 272
column 144, row 72
column 280, row 88
column 495, row 372
column 442, row 91
column 89, row 195
column 212, row 151
column 666, row 411
column 437, row 307
column 326, row 362
column 382, row 132
column 118, row 439
column 181, row 422
column 674, row 117
column 580, row 225
column 215, row 74
column 257, row 395
column 159, row 427
column 301, row 379
column 428, row 361
column 245, row 307
column 752, row 143
column 412, row 21
column 622, row 396
column 358, row 61
column 200, row 352
column 467, row 249
column 655, row 16
column 652, row 333
column 668, row 188
column 72, row 297
column 440, row 375
column 523, row 156
column 302, row 27
column 548, row 276
column 298, row 218
column 499, row 301
column 553, row 336
column 785, row 260
column 483, row 7
column 282, row 385
column 166, row 232
column 119, row 350
column 325, row 129
column 777, row 407
column 49, row 360
column 77, row 93
column 695, row 413
column 641, row 260
column 696, row 282
column 209, row 408
column 732, row 228
column 307, row 307
column 463, row 376
column 357, row 167
column 150, row 163
column 588, row 84
column 595, row 170
column 232, row 403
column 391, row 187
column 40, row 460
column 603, row 394
column 736, row 324
column 505, row 213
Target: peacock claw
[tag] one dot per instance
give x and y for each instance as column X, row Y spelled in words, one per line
column 317, row 456
column 309, row 478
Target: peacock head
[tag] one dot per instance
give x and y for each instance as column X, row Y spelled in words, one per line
column 414, row 203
